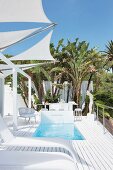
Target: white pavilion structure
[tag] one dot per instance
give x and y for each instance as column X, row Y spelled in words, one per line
column 23, row 11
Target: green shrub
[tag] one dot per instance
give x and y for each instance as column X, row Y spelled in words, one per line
column 104, row 98
column 106, row 114
column 51, row 98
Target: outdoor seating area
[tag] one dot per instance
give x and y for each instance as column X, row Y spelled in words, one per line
column 88, row 153
column 62, row 106
column 13, row 145
column 56, row 85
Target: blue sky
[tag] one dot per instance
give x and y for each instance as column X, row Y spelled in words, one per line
column 90, row 20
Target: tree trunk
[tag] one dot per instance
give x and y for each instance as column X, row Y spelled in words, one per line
column 68, row 90
column 86, row 108
column 89, row 81
column 24, row 91
column 77, row 94
column 112, row 69
column 40, row 92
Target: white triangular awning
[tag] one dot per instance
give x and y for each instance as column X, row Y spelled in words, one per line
column 40, row 51
column 22, row 11
column 12, row 37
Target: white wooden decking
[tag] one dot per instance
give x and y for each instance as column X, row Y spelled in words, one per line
column 95, row 152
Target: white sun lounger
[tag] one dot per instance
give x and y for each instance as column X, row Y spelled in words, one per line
column 10, row 140
column 35, row 161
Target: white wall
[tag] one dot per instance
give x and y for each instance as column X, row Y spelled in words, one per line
column 8, row 100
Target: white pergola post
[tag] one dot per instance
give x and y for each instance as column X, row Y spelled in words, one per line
column 15, row 99
column 29, row 92
column 16, row 70
column 1, row 94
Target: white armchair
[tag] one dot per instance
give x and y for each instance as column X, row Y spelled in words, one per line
column 26, row 112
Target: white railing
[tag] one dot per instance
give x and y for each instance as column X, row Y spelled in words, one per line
column 103, row 107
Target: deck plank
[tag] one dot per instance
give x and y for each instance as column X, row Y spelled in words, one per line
column 85, row 154
column 95, row 152
column 96, row 140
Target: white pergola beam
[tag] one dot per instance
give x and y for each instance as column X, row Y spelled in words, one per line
column 15, row 70
column 7, row 61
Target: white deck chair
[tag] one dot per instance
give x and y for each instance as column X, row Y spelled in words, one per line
column 12, row 160
column 26, row 112
column 8, row 139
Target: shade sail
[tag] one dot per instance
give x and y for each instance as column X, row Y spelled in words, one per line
column 22, row 11
column 40, row 51
column 8, row 38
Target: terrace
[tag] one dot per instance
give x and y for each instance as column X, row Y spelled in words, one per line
column 70, row 135
column 95, row 152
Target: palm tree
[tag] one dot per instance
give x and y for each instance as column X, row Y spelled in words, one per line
column 98, row 63
column 77, row 62
column 54, row 69
column 38, row 74
column 109, row 53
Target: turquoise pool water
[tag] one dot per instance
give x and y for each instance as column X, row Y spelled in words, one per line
column 65, row 131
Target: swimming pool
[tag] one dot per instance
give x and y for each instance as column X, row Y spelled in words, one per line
column 65, row 131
